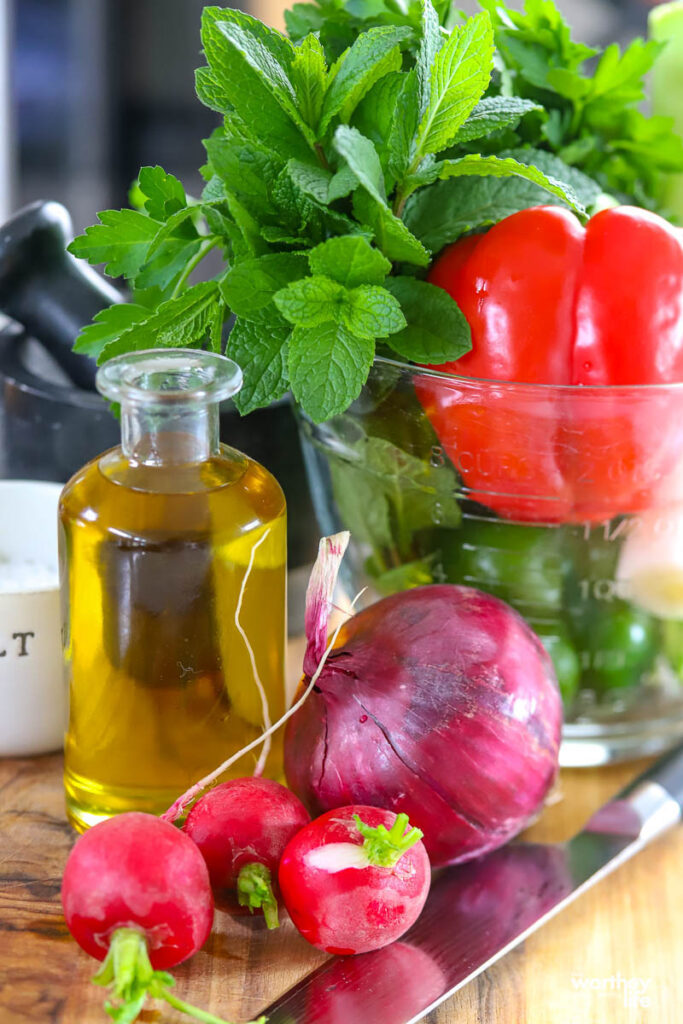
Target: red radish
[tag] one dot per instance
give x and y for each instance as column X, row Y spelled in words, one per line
column 241, row 828
column 136, row 894
column 354, row 879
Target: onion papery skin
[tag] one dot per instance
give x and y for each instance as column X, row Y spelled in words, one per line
column 439, row 702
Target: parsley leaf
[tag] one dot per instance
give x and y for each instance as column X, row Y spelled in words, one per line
column 179, row 322
column 107, row 325
column 164, row 195
column 121, row 240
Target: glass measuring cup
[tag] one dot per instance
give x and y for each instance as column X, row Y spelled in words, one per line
column 567, row 502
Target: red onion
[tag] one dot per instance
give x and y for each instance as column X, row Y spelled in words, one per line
column 438, row 702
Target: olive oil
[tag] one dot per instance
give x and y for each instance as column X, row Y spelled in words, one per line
column 173, row 560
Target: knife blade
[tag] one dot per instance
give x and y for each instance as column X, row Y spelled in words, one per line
column 477, row 912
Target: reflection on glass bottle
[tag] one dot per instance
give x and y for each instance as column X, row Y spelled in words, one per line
column 173, row 557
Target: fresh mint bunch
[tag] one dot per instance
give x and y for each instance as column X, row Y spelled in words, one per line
column 316, row 195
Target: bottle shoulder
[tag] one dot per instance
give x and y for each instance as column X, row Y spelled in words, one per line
column 119, row 496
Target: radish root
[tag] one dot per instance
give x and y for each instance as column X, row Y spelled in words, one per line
column 323, row 577
column 263, row 757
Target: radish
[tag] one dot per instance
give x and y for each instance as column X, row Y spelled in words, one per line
column 241, row 828
column 354, row 879
column 136, row 895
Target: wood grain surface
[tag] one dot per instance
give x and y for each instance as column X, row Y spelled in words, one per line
column 573, row 971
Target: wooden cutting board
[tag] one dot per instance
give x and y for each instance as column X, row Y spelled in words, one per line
column 613, row 957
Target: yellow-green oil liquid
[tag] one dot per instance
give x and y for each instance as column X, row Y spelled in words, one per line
column 173, row 583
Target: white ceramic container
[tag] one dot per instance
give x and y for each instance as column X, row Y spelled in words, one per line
column 33, row 698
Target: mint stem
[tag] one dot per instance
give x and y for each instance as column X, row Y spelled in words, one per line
column 255, row 890
column 384, row 847
column 399, row 204
column 206, row 246
column 321, row 156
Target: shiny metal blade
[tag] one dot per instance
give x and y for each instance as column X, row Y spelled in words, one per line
column 475, row 914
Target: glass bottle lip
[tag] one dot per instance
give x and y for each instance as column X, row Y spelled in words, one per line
column 169, row 376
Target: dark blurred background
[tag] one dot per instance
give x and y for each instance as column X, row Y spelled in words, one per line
column 90, row 90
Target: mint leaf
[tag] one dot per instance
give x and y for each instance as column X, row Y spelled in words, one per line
column 584, row 188
column 171, row 249
column 260, row 348
column 363, row 505
column 421, row 486
column 251, row 284
column 392, row 236
column 210, row 91
column 247, row 238
column 350, row 260
column 388, row 117
column 216, row 328
column 107, row 325
column 311, row 301
column 473, row 163
column 328, row 366
column 342, row 184
column 492, row 114
column 460, row 75
column 431, row 42
column 309, row 78
column 417, row 573
column 282, row 236
column 437, row 331
column 269, row 39
column 373, row 54
column 361, row 156
column 121, row 240
column 251, row 81
column 386, row 495
column 371, row 312
column 262, row 57
column 164, row 194
column 446, row 210
column 246, row 168
column 313, row 180
column 302, row 211
column 179, row 322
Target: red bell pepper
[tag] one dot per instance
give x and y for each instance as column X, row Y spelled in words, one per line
column 552, row 302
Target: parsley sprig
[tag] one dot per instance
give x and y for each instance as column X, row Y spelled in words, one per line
column 350, row 151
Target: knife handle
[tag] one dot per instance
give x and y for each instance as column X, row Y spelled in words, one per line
column 667, row 772
column 657, row 794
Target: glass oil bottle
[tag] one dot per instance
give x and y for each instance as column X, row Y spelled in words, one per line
column 173, row 575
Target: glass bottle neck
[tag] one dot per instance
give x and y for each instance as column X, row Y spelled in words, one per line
column 172, row 434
